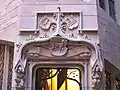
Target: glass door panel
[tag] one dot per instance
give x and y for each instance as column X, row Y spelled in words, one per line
column 58, row 79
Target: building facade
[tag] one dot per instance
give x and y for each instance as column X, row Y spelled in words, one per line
column 59, row 45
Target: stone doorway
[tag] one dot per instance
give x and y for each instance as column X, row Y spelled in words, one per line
column 58, row 78
column 55, row 55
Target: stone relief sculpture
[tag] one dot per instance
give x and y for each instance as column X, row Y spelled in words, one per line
column 97, row 69
column 18, row 46
column 62, row 22
column 85, row 55
column 58, row 47
column 20, row 75
column 20, row 78
column 96, row 77
column 30, row 38
column 45, row 23
column 71, row 22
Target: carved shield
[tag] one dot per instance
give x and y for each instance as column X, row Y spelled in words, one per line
column 58, row 46
column 71, row 22
column 45, row 23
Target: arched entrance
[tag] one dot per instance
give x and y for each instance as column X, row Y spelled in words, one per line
column 55, row 64
column 60, row 48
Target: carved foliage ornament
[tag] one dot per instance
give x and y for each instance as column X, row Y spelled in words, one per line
column 58, row 46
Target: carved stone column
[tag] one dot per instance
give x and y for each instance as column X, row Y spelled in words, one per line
column 5, row 69
column 86, row 76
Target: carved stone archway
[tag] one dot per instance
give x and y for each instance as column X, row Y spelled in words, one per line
column 60, row 38
column 58, row 48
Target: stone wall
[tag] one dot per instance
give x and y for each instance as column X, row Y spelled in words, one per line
column 30, row 8
column 109, row 35
column 9, row 17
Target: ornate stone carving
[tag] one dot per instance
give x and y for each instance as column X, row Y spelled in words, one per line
column 53, row 27
column 59, row 23
column 18, row 46
column 71, row 22
column 45, row 23
column 58, row 46
column 64, row 27
column 55, row 15
column 19, row 69
column 85, row 55
column 85, row 52
column 96, row 77
column 72, row 35
column 44, row 35
column 30, row 38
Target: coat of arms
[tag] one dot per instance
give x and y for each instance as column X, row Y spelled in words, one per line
column 58, row 46
column 45, row 23
column 71, row 22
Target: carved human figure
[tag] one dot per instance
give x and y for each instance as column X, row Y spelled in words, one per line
column 96, row 78
column 20, row 77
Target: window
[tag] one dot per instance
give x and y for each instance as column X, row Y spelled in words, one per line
column 102, row 4
column 2, row 52
column 11, row 53
column 117, row 83
column 112, row 9
column 108, row 81
column 58, row 79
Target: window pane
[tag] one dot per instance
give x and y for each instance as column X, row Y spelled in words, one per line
column 102, row 4
column 2, row 52
column 11, row 53
column 58, row 79
column 108, row 81
column 112, row 9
